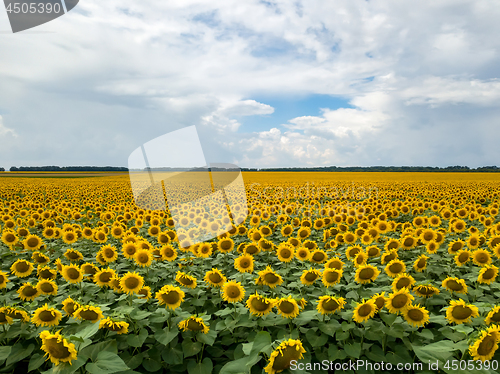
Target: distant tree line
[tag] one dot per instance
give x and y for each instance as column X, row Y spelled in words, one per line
column 2, row 169
column 68, row 168
column 483, row 169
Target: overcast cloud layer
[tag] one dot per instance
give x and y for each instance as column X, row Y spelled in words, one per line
column 422, row 81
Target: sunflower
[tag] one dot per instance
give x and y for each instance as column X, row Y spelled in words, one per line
column 251, row 249
column 395, row 267
column 204, row 250
column 487, row 274
column 287, row 230
column 372, row 251
column 334, row 263
column 493, row 315
column 232, row 292
column 120, row 327
column 308, row 277
column 459, row 225
column 194, row 323
column 331, row 277
column 129, row 249
column 57, row 348
column 69, row 237
column 460, row 312
column 45, row 316
column 259, row 305
column 379, row 300
column 388, row 256
column 432, row 247
column 408, row 242
column 303, row 233
column 285, row 252
column 269, row 278
column 473, row 242
column 281, row 358
column 72, row 273
column 32, row 242
column 352, row 251
column 402, row 281
column 109, row 253
column 399, row 301
column 73, row 255
column 225, row 245
column 486, row 344
column 303, row 254
column 215, row 278
column 425, row 290
column 462, row 257
column 244, row 264
column 3, row 279
column 186, row 280
column 16, row 313
column 47, row 287
column 103, row 277
column 131, row 283
column 454, row 285
column 168, row 253
column 287, row 307
column 481, row 257
column 70, row 306
column 88, row 313
column 392, row 244
column 366, row 274
column 428, row 235
column 143, row 257
column 22, row 268
column 416, row 315
column 9, row 238
column 171, row 296
column 318, row 256
column 27, row 292
column 364, row 311
column 4, row 316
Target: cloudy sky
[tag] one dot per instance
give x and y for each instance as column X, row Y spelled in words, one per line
column 267, row 83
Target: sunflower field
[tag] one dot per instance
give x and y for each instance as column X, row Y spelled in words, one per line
column 393, row 268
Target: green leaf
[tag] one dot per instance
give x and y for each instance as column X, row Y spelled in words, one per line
column 208, row 338
column 172, row 356
column 353, row 350
column 66, row 368
column 132, row 361
column 261, row 340
column 137, row 340
column 190, row 348
column 329, row 328
column 305, row 317
column 240, row 366
column 388, row 318
column 426, row 334
column 138, row 314
column 93, row 350
column 151, row 365
column 88, row 331
column 5, row 352
column 204, row 367
column 19, row 352
column 441, row 351
column 106, row 363
column 36, row 361
column 166, row 335
column 315, row 338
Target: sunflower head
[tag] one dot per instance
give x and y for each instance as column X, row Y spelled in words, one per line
column 416, row 315
column 259, row 305
column 215, row 278
column 194, row 323
column 281, row 358
column 287, row 307
column 88, row 313
column 131, row 282
column 120, row 327
column 45, row 316
column 232, row 291
column 171, row 296
column 329, row 304
column 57, row 348
column 364, row 311
column 186, row 280
column 459, row 312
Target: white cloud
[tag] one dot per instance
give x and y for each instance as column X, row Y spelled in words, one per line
column 4, row 131
column 116, row 74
